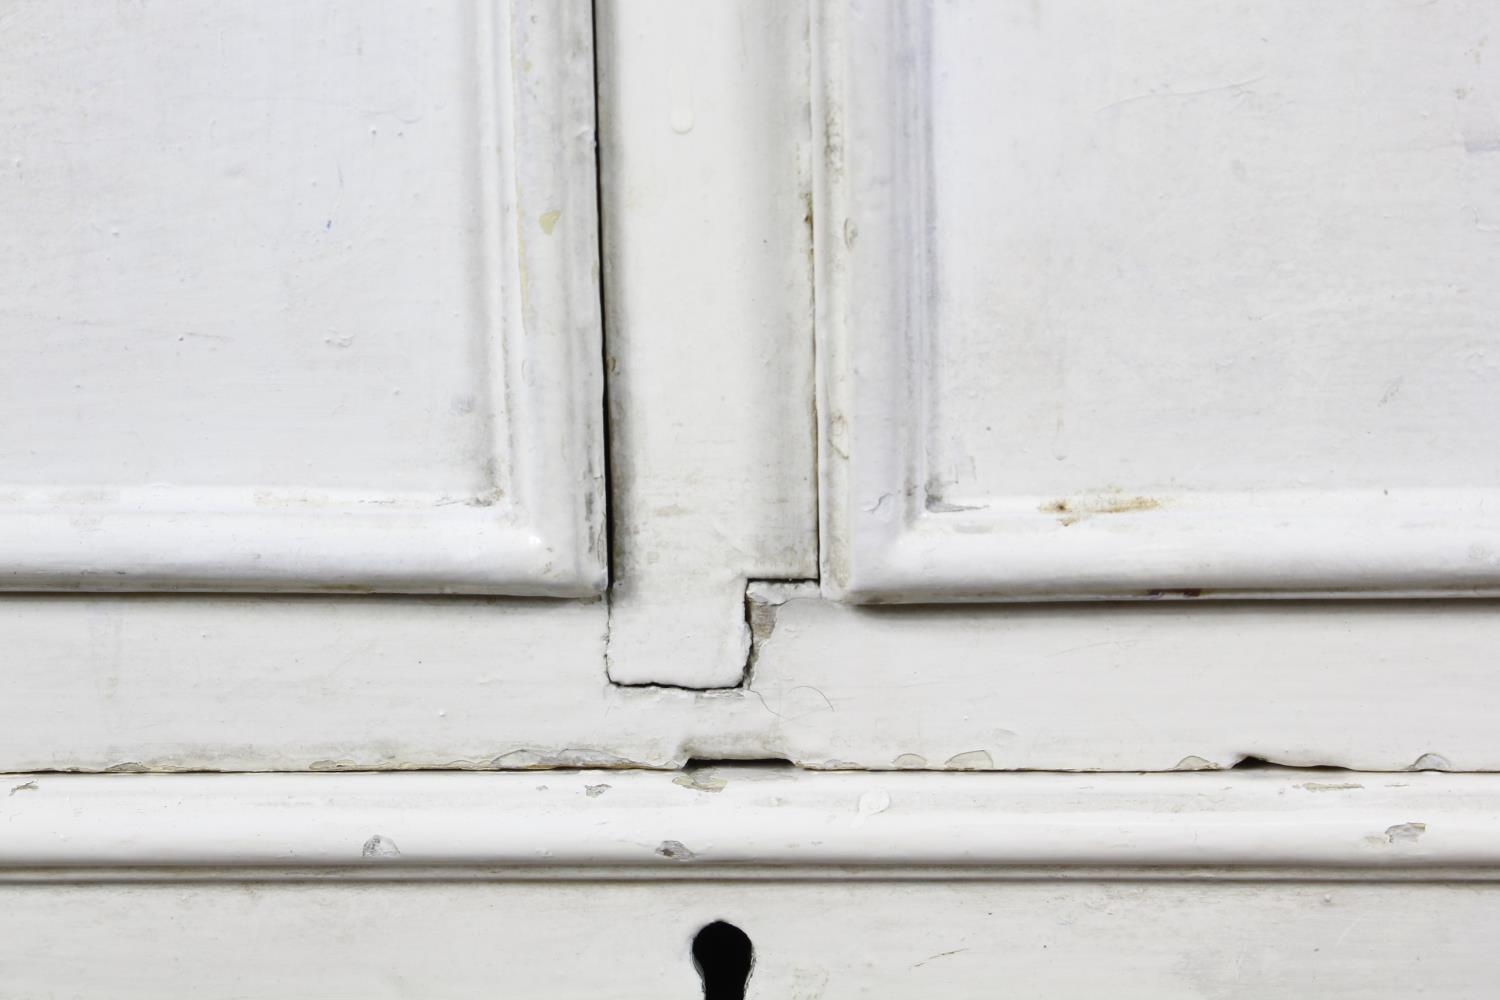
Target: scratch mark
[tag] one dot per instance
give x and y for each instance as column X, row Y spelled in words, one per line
column 1122, row 644
column 1352, row 924
column 1159, row 94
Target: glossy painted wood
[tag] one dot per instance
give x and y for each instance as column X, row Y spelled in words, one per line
column 704, row 174
column 1145, row 300
column 300, row 298
column 384, row 885
column 1073, row 940
column 1147, row 303
column 245, row 683
column 632, row 823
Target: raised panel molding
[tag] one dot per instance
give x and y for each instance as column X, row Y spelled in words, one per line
column 746, row 821
column 901, row 391
column 263, row 246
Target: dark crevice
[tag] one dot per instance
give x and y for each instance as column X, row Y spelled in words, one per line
column 693, row 764
column 1252, row 764
column 760, row 622
column 760, row 619
column 610, row 505
column 611, row 499
column 659, row 686
column 723, row 956
column 812, row 289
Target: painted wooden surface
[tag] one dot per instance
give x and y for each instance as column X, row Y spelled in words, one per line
column 1115, row 300
column 1156, row 299
column 1073, row 940
column 711, row 475
column 704, row 185
column 1368, row 684
column 207, row 924
column 323, row 682
column 300, row 298
column 633, row 823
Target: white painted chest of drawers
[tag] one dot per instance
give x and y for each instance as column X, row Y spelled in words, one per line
column 659, row 407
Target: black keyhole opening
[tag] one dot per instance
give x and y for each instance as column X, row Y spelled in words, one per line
column 723, row 954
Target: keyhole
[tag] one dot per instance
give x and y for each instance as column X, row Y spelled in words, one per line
column 723, row 954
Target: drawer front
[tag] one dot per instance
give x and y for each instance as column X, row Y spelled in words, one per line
column 1045, row 937
column 581, row 884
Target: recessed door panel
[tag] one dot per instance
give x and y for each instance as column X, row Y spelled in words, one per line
column 299, row 296
column 1145, row 299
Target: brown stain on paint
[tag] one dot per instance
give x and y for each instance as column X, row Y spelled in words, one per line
column 1071, row 511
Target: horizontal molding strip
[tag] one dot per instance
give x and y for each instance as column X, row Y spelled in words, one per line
column 758, row 816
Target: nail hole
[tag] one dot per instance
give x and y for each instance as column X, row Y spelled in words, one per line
column 723, row 955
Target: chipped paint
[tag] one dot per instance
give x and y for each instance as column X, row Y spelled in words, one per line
column 970, row 760
column 1431, row 762
column 1405, row 833
column 675, row 850
column 701, row 781
column 1329, row 786
column 380, row 847
column 528, row 759
column 127, row 767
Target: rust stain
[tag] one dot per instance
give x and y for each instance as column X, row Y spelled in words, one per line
column 1075, row 510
